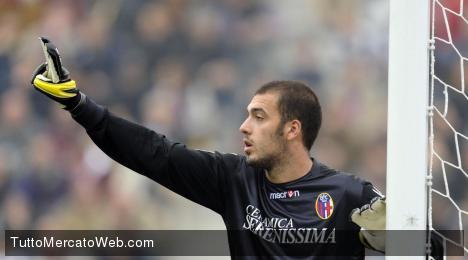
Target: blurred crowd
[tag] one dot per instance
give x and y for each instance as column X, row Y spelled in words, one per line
column 187, row 69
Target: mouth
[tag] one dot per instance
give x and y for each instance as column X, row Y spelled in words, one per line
column 247, row 146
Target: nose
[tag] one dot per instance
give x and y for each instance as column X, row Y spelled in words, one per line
column 244, row 127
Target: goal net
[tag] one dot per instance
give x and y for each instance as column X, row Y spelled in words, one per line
column 427, row 137
column 448, row 122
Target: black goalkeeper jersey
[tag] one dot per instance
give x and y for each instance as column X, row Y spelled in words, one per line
column 305, row 218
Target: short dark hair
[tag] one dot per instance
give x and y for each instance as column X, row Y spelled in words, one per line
column 297, row 101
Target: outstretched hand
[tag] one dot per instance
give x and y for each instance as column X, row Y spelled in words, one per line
column 53, row 80
column 371, row 218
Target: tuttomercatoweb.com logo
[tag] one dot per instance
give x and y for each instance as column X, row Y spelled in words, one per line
column 115, row 242
column 95, row 242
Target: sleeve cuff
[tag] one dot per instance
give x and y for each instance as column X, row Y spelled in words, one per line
column 89, row 114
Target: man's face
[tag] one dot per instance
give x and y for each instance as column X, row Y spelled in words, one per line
column 264, row 143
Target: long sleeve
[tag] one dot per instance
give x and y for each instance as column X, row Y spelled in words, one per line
column 196, row 175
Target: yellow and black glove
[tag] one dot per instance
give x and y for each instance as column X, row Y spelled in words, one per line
column 54, row 81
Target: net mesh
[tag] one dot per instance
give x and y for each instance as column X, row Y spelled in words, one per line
column 448, row 121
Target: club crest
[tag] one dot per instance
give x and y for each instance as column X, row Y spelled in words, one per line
column 324, row 205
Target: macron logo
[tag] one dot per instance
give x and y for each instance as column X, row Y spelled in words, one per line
column 285, row 194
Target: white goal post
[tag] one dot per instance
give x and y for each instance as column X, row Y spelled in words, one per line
column 407, row 136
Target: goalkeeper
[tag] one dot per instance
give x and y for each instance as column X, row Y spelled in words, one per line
column 275, row 200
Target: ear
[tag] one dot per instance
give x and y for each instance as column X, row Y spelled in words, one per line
column 293, row 129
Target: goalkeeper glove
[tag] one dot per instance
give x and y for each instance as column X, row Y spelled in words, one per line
column 371, row 219
column 53, row 80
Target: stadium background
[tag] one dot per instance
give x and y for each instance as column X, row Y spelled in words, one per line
column 186, row 69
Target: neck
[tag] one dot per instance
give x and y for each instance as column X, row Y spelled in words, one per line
column 290, row 168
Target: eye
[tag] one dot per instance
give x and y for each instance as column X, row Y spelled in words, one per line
column 258, row 117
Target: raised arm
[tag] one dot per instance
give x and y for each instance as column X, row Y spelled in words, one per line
column 196, row 175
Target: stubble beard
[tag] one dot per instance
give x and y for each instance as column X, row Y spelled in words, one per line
column 271, row 160
column 267, row 162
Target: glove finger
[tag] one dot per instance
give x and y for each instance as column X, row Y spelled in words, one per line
column 383, row 199
column 358, row 215
column 55, row 56
column 374, row 200
column 65, row 75
column 358, row 219
column 44, row 39
column 61, row 90
column 52, row 59
column 368, row 220
column 368, row 214
column 353, row 214
column 39, row 71
column 371, row 216
column 365, row 207
column 378, row 205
